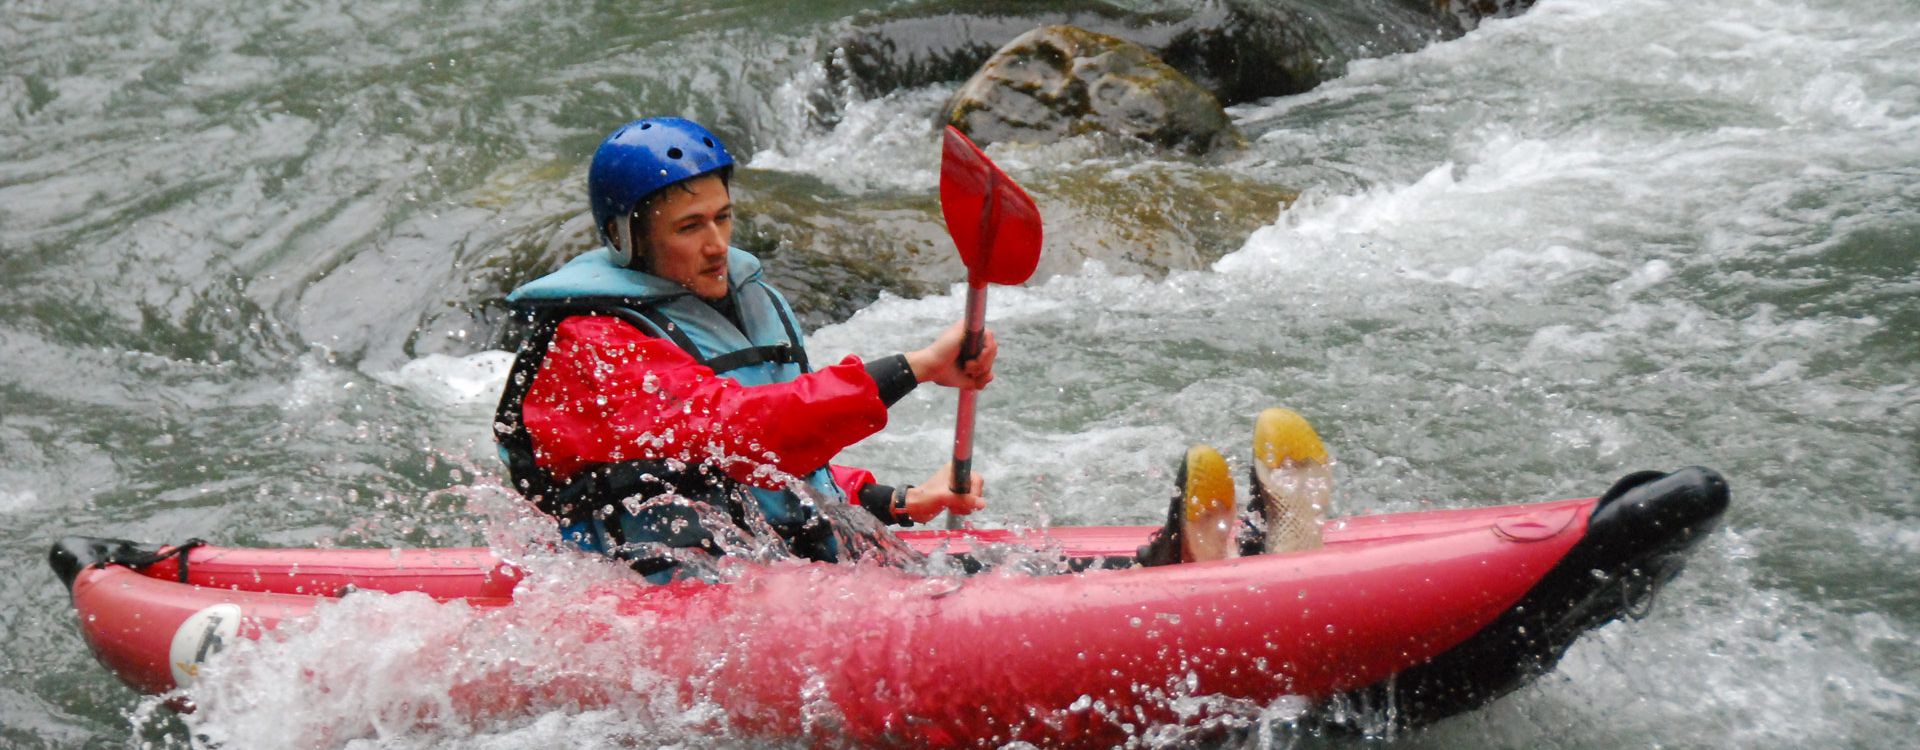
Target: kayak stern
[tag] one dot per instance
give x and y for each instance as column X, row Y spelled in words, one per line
column 1637, row 539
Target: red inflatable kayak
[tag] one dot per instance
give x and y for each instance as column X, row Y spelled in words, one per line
column 1428, row 613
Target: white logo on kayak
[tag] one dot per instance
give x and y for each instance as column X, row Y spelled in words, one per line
column 201, row 636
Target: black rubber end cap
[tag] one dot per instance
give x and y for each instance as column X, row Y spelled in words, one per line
column 1639, row 534
column 73, row 554
column 1649, row 512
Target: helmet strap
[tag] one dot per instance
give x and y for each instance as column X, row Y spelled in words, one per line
column 623, row 253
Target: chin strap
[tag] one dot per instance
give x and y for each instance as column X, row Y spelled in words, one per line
column 623, row 241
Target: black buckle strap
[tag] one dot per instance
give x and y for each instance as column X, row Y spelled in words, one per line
column 780, row 354
column 787, row 322
column 783, row 353
column 140, row 559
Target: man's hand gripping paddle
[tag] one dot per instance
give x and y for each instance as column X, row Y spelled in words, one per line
column 997, row 229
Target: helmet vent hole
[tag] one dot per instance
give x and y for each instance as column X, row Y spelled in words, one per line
column 673, row 153
column 708, row 141
column 646, row 126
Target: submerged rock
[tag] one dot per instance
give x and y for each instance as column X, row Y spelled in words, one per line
column 949, row 41
column 1471, row 12
column 1061, row 81
column 1247, row 50
column 1239, row 50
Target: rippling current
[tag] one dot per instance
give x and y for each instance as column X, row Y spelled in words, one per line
column 252, row 256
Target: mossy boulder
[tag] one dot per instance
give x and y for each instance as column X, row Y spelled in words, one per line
column 1061, row 81
column 948, row 40
column 1240, row 50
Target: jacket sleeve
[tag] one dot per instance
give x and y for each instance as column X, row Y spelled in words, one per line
column 851, row 478
column 608, row 392
column 863, row 491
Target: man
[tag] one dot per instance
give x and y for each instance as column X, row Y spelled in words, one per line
column 663, row 408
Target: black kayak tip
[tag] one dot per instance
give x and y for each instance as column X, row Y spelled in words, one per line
column 1649, row 514
column 73, row 554
column 1638, row 538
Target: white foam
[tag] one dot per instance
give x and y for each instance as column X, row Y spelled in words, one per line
column 1605, row 157
column 1647, row 276
column 474, row 378
column 319, row 383
column 18, row 500
column 878, row 144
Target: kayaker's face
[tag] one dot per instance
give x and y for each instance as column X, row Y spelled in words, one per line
column 689, row 228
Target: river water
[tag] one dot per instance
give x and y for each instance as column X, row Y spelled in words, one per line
column 253, row 254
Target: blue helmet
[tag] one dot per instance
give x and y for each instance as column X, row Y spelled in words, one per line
column 640, row 159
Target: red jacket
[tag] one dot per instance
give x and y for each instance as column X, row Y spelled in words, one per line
column 607, row 392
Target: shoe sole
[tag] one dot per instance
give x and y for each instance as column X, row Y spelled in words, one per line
column 1292, row 483
column 1207, row 532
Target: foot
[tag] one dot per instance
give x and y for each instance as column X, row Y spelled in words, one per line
column 1207, row 489
column 1200, row 518
column 1292, row 484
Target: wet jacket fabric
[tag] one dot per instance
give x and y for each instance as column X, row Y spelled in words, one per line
column 632, row 386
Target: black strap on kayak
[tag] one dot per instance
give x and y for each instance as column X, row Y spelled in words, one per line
column 141, row 559
column 74, row 554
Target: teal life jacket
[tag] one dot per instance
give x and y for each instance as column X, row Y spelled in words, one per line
column 765, row 348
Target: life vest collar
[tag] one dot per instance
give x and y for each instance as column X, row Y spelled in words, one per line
column 594, row 274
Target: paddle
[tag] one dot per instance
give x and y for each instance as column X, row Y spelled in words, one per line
column 997, row 230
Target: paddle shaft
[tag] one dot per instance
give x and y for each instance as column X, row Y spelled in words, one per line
column 976, row 324
column 996, row 227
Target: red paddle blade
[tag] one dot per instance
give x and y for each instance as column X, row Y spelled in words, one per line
column 992, row 220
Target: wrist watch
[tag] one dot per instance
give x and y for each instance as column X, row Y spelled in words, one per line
column 899, row 508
